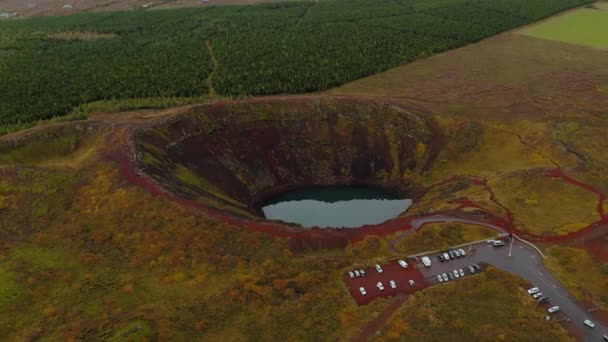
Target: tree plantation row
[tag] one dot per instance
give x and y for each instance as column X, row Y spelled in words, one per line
column 49, row 66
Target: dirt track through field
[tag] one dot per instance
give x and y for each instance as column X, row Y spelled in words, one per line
column 209, row 80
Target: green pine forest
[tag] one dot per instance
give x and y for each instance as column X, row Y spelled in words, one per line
column 53, row 67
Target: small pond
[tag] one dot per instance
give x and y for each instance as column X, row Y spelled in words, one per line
column 335, row 206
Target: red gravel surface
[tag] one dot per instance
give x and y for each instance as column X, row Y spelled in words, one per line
column 391, row 271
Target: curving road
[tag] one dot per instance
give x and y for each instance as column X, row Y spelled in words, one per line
column 518, row 258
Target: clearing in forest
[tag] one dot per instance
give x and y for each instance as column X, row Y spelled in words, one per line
column 583, row 27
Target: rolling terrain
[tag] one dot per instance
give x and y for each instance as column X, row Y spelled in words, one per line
column 145, row 224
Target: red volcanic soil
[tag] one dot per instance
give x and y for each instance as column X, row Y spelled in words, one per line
column 598, row 247
column 392, row 271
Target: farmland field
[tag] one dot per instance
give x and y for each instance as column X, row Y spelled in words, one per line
column 278, row 48
column 582, row 27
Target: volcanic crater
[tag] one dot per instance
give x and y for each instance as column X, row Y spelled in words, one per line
column 234, row 156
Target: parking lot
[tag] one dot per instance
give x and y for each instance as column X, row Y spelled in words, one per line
column 391, row 271
column 521, row 259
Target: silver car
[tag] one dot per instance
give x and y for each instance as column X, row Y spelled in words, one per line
column 439, row 278
column 456, row 274
column 445, row 277
column 461, row 272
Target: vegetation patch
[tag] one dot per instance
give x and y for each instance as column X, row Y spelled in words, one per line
column 286, row 47
column 137, row 331
column 537, row 203
column 584, row 276
column 81, row 35
column 582, row 27
column 437, row 236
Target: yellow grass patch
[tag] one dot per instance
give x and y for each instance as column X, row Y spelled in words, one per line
column 543, row 205
column 81, row 35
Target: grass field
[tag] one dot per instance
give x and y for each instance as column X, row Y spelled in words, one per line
column 586, row 27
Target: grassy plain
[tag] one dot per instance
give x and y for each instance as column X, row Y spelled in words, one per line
column 539, row 203
column 585, row 27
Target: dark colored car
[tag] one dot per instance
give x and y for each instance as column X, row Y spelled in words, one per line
column 451, row 276
column 542, row 299
column 452, row 256
column 441, row 258
column 477, row 267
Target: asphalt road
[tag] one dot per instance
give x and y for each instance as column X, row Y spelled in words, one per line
column 526, row 262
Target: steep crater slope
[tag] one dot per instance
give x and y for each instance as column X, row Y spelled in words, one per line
column 234, row 156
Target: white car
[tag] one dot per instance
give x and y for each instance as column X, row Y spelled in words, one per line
column 457, row 253
column 589, row 323
column 461, row 272
column 403, row 263
column 351, row 274
column 606, row 337
column 491, row 241
column 446, row 256
column 362, row 290
column 445, row 277
column 362, row 273
column 380, row 286
column 393, row 284
column 456, row 274
column 357, row 274
column 411, row 282
column 533, row 290
column 379, row 268
column 498, row 243
column 462, row 252
column 553, row 309
column 537, row 295
column 439, row 278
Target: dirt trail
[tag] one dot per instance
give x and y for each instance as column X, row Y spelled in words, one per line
column 372, row 327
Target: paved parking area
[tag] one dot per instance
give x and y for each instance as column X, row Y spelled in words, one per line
column 392, row 271
column 521, row 259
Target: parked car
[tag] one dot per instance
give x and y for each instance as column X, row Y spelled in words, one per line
column 589, row 323
column 379, row 268
column 606, row 337
column 451, row 275
column 380, row 286
column 362, row 290
column 351, row 274
column 491, row 241
column 537, row 295
column 403, row 263
column 393, row 284
column 426, row 261
column 461, row 272
column 462, row 252
column 452, row 255
column 362, row 273
column 439, row 278
column 357, row 274
column 533, row 290
column 457, row 253
column 553, row 309
column 456, row 274
column 471, row 269
column 445, row 277
column 542, row 299
column 446, row 256
column 441, row 258
column 411, row 282
column 498, row 243
column 477, row 267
